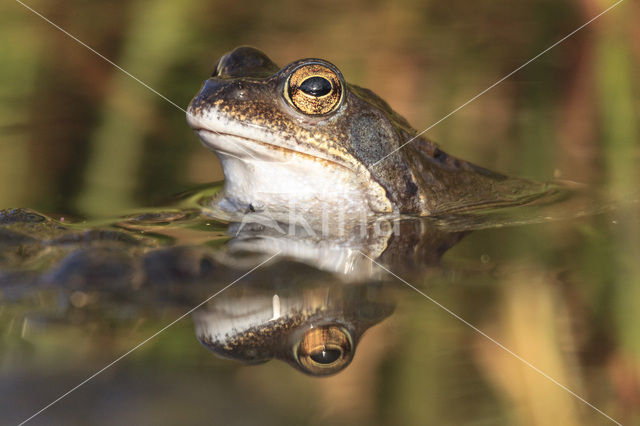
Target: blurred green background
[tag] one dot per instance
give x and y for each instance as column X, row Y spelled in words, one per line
column 79, row 137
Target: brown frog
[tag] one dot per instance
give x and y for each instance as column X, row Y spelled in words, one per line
column 300, row 135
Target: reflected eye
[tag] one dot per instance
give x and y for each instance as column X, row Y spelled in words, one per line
column 325, row 355
column 314, row 89
column 324, row 350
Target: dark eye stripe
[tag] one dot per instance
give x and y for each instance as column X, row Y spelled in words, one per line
column 316, row 86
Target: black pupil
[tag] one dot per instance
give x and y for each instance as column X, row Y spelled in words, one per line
column 325, row 356
column 316, row 86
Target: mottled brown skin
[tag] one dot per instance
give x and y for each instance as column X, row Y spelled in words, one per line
column 247, row 87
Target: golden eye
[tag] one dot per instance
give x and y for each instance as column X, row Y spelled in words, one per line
column 314, row 89
column 324, row 350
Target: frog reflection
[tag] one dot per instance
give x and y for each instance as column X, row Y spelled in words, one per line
column 309, row 307
column 313, row 311
column 406, row 244
column 315, row 328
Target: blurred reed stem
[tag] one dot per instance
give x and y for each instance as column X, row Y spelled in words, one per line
column 617, row 89
column 20, row 53
column 128, row 112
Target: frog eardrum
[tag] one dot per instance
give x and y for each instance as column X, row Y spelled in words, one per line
column 314, row 88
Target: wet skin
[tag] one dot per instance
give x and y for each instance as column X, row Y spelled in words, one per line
column 302, row 135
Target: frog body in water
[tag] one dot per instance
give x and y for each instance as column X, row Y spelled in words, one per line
column 300, row 135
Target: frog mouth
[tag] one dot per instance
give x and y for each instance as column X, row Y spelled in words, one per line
column 257, row 160
column 241, row 147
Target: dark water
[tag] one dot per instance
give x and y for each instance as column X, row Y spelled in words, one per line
column 102, row 256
